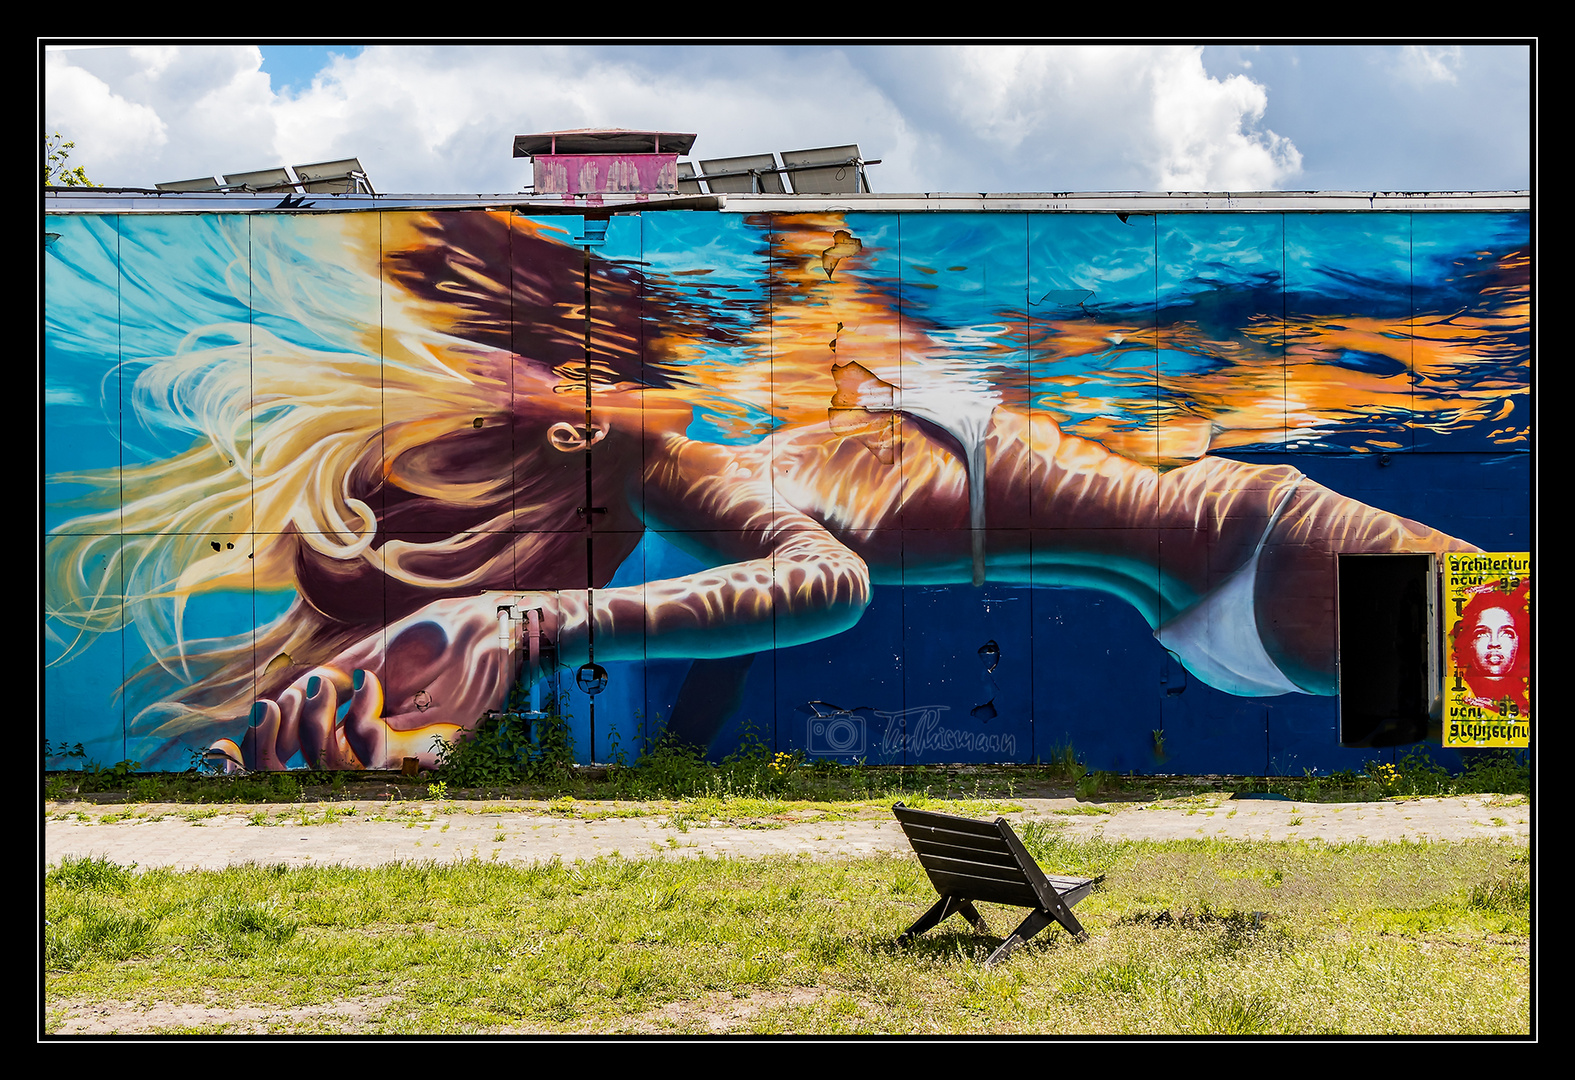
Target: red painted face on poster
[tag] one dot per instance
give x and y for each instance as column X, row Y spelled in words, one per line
column 1495, row 643
column 1489, row 650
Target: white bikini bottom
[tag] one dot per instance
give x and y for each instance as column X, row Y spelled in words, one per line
column 1217, row 638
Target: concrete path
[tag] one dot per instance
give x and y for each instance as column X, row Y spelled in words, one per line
column 374, row 833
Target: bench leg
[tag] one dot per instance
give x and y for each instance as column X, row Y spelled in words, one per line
column 1062, row 913
column 1036, row 921
column 940, row 910
column 966, row 909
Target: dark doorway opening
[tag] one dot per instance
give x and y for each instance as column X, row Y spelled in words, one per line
column 1388, row 667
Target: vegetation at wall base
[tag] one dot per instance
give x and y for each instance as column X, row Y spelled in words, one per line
column 494, row 763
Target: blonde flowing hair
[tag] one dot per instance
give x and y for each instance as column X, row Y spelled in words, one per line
column 292, row 444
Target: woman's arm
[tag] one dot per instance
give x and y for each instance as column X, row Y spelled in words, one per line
column 786, row 579
column 437, row 671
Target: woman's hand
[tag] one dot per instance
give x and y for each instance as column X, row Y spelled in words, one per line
column 433, row 673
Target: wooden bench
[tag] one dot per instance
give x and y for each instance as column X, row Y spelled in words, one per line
column 970, row 860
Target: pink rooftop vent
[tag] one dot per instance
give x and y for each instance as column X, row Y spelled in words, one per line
column 604, row 161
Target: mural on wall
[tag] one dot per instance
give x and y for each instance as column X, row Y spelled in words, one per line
column 900, row 487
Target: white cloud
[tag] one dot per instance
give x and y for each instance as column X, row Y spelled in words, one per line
column 145, row 113
column 1153, row 108
column 442, row 119
column 1203, row 128
column 997, row 118
column 1433, row 63
column 105, row 126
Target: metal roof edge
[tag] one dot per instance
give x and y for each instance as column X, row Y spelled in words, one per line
column 142, row 200
column 1138, row 202
column 137, row 200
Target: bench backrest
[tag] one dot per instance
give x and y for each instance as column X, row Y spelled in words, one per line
column 979, row 860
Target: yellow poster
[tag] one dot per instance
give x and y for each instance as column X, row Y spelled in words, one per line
column 1487, row 681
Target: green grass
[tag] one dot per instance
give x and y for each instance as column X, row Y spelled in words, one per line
column 1358, row 939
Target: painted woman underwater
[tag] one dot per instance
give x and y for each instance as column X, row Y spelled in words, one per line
column 409, row 487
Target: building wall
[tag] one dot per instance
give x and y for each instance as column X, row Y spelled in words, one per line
column 907, row 487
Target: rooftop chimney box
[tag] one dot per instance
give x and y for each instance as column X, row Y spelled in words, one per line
column 593, row 161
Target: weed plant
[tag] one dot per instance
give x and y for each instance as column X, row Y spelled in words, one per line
column 1488, row 771
column 88, row 775
column 508, row 748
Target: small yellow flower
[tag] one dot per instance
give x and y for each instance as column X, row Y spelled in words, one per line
column 1387, row 775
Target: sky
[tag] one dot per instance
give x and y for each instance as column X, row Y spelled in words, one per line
column 439, row 118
